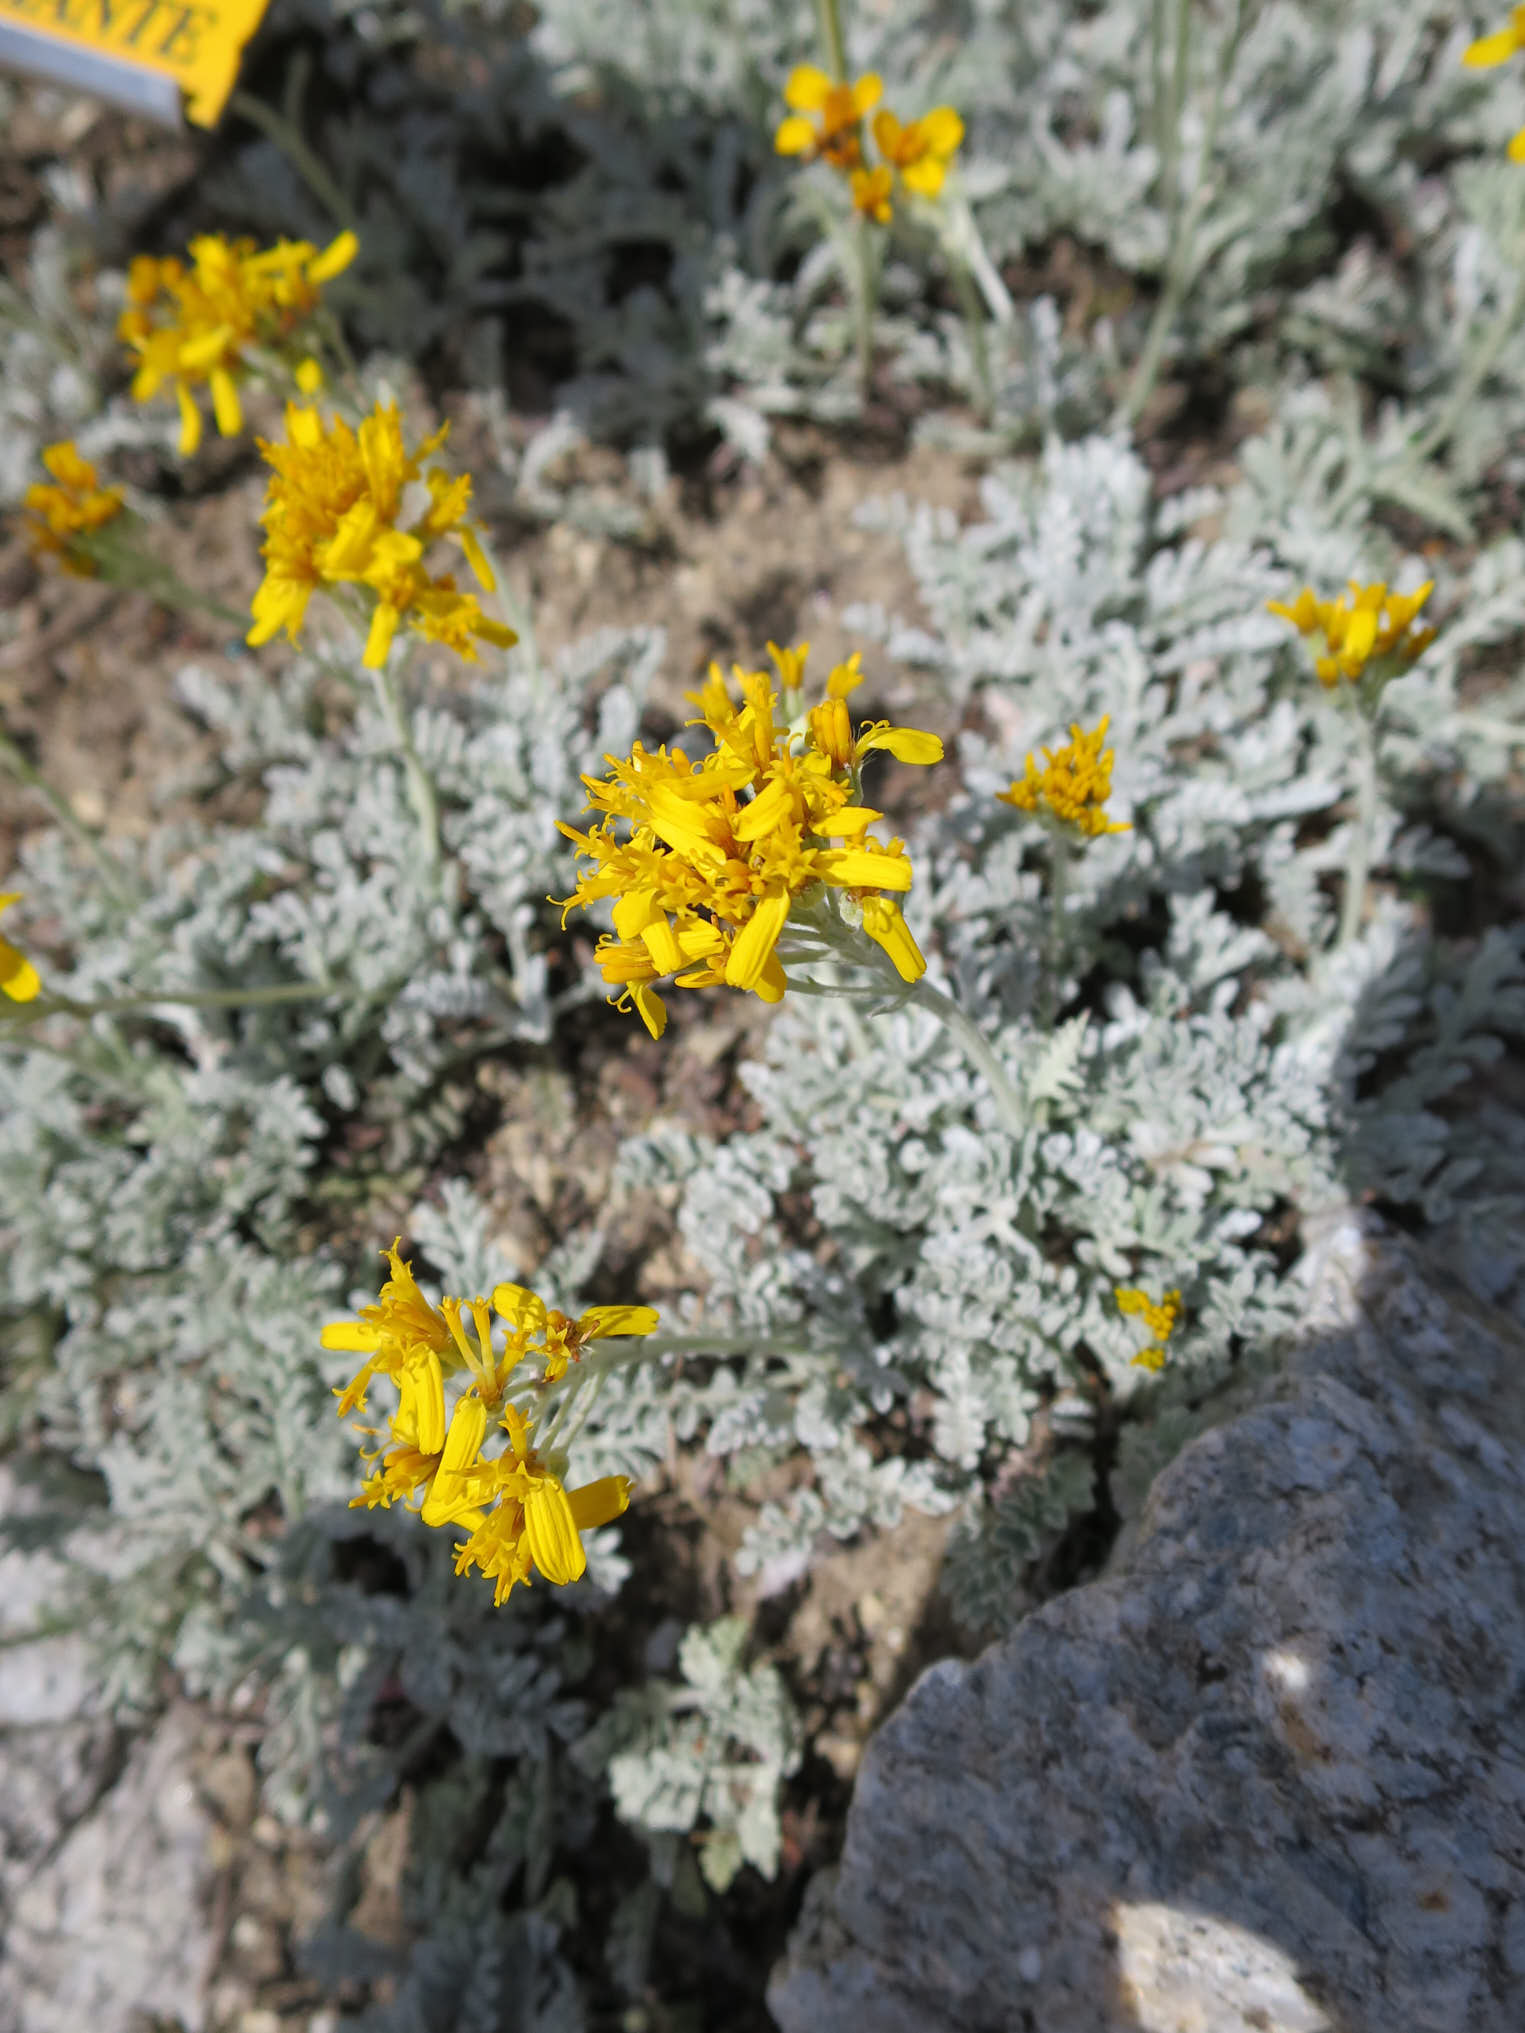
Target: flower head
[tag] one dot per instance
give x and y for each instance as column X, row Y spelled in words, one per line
column 1073, row 785
column 359, row 508
column 1159, row 1319
column 871, row 189
column 920, row 153
column 74, row 505
column 706, row 863
column 836, row 135
column 1367, row 629
column 19, row 979
column 514, row 1508
column 200, row 324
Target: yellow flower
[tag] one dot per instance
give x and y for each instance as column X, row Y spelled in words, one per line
column 515, row 1510
column 332, row 513
column 417, row 1437
column 1159, row 1319
column 561, row 1340
column 871, row 193
column 921, row 152
column 19, row 979
column 1073, row 784
column 401, row 1330
column 75, row 506
column 199, row 324
column 841, row 109
column 705, row 861
column 1370, row 625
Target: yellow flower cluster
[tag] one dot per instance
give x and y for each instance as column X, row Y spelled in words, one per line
column 188, row 325
column 1073, row 784
column 74, row 505
column 706, row 860
column 1370, row 625
column 513, row 1508
column 918, row 153
column 333, row 513
column 18, row 977
column 1159, row 1319
column 1498, row 48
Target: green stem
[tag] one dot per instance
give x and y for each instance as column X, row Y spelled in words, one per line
column 1363, row 826
column 974, row 323
column 1053, row 959
column 204, row 998
column 829, row 14
column 68, row 818
column 866, row 304
column 976, row 1049
column 420, row 785
column 284, row 134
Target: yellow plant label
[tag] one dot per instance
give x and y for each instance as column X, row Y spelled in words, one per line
column 142, row 53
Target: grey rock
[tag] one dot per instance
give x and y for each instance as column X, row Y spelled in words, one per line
column 1268, row 1775
column 114, row 1927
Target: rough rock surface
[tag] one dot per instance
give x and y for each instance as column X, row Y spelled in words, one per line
column 103, row 1851
column 1268, row 1775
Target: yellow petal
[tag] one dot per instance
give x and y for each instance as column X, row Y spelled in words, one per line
column 226, row 406
column 1517, row 147
column 551, row 1530
column 859, row 868
column 476, row 557
column 599, row 1323
column 925, row 178
column 661, row 942
column 650, row 1007
column 867, row 92
column 448, row 1501
column 190, row 421
column 906, row 744
column 421, row 1388
column 1489, row 50
column 18, row 977
column 334, row 259
column 519, row 1306
column 807, row 88
column 755, row 941
column 943, row 130
column 794, row 136
column 772, row 804
column 599, row 1503
column 353, row 1337
column 846, row 824
column 885, row 925
column 379, row 639
column 309, row 376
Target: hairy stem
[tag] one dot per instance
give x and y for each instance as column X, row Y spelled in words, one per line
column 421, row 793
column 976, row 1049
column 1358, row 866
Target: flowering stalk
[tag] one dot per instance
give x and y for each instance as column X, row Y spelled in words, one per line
column 421, row 792
column 1363, row 827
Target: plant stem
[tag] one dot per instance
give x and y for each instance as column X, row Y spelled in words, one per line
column 974, row 323
column 976, row 1049
column 68, row 818
column 1053, row 959
column 420, row 785
column 1357, row 868
column 205, row 998
column 867, row 302
column 275, row 127
column 829, row 14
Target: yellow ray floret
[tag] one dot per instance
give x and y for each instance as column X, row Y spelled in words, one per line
column 1073, row 784
column 198, row 325
column 921, row 152
column 1369, row 625
column 75, row 505
column 334, row 516
column 840, row 108
column 19, row 979
column 704, row 862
